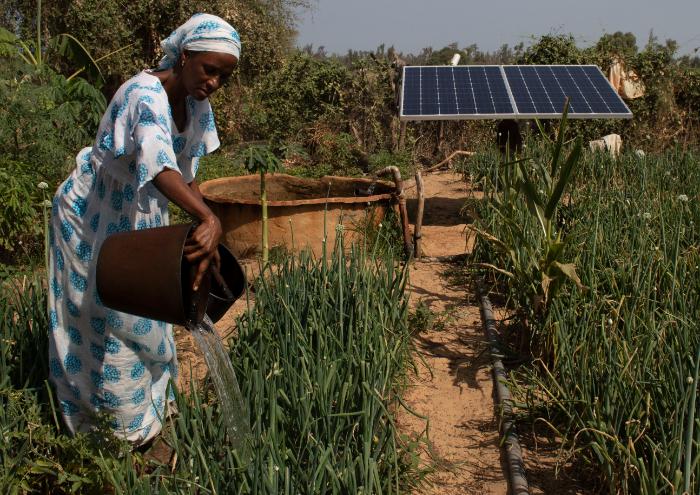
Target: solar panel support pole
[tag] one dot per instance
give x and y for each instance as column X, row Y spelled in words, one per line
column 440, row 136
column 402, row 135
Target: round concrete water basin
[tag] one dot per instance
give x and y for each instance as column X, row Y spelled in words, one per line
column 300, row 210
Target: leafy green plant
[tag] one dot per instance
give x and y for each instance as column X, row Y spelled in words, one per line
column 34, row 53
column 260, row 159
column 423, row 319
column 553, row 49
column 402, row 159
column 45, row 120
column 337, row 151
column 20, row 224
column 533, row 253
column 288, row 101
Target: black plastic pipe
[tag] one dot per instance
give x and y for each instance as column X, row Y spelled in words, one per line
column 514, row 458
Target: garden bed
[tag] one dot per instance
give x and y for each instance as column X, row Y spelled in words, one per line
column 615, row 374
column 320, row 358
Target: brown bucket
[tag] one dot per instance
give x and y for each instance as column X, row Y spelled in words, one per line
column 144, row 273
column 221, row 297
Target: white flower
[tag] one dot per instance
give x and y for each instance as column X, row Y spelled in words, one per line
column 689, row 380
column 683, row 197
column 610, row 322
column 647, row 215
column 380, row 225
column 339, row 228
column 46, row 203
column 42, row 185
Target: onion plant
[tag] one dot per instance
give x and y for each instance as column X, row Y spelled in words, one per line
column 320, row 358
column 621, row 391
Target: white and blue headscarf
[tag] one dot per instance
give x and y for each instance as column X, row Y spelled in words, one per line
column 201, row 33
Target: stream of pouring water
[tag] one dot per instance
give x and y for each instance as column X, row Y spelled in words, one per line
column 223, row 376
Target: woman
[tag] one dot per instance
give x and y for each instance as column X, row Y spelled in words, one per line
column 156, row 128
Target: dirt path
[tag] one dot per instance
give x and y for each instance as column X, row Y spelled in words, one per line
column 453, row 388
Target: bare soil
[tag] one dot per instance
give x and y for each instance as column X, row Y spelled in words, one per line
column 453, row 387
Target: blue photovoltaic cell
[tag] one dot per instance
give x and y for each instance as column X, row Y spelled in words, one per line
column 453, row 91
column 542, row 90
column 510, row 91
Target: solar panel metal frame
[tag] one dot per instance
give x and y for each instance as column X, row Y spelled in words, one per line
column 516, row 114
column 460, row 116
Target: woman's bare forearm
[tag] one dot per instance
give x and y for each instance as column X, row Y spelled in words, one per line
column 188, row 197
column 201, row 245
column 195, row 188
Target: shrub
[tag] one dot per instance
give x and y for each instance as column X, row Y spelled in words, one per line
column 20, row 220
column 286, row 102
column 45, row 120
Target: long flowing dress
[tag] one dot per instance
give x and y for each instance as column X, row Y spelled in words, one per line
column 105, row 363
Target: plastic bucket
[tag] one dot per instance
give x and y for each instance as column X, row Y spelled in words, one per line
column 144, row 273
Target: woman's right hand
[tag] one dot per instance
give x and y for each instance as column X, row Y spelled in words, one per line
column 202, row 247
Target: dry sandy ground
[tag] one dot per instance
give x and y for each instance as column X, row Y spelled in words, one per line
column 453, row 387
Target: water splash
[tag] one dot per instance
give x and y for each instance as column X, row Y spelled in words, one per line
column 233, row 408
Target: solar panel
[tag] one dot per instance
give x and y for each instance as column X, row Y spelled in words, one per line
column 466, row 91
column 507, row 92
column 540, row 91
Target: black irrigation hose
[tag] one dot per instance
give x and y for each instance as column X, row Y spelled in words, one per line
column 516, row 470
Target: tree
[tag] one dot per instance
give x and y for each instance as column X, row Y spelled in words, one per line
column 259, row 159
column 553, row 49
column 623, row 45
column 266, row 28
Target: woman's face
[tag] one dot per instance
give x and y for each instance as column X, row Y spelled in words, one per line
column 204, row 72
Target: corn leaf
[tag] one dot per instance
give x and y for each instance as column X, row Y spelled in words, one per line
column 560, row 138
column 564, row 178
column 569, row 270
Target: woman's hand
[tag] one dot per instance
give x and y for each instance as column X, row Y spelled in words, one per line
column 201, row 246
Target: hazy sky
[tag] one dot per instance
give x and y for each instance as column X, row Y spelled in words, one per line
column 411, row 25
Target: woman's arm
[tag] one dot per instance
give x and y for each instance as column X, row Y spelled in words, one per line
column 202, row 245
column 195, row 188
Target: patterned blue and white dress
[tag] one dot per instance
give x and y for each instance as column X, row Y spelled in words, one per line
column 100, row 360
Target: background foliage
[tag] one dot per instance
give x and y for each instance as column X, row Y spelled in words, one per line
column 322, row 113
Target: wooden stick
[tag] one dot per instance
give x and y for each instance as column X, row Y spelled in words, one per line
column 448, row 159
column 419, row 216
column 403, row 213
